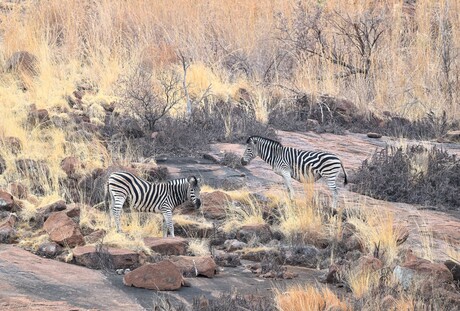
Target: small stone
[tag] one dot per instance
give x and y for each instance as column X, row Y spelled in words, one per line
column 374, row 135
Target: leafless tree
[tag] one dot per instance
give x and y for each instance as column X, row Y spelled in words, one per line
column 150, row 98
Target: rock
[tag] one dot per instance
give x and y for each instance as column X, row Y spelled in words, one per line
column 260, row 232
column 404, row 276
column 101, row 257
column 214, row 203
column 7, row 202
column 224, row 259
column 71, row 165
column 74, row 102
column 454, row 268
column 312, row 124
column 163, row 275
column 49, row 249
column 419, row 270
column 369, row 263
column 13, row 144
column 167, row 246
column 453, row 136
column 22, row 62
column 63, row 230
column 192, row 266
column 305, row 256
column 44, row 212
column 259, row 254
column 18, row 190
column 233, row 245
column 37, row 116
column 374, row 135
column 73, row 210
column 8, row 233
column 95, row 236
column 333, row 274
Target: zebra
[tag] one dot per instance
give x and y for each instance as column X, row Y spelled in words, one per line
column 294, row 163
column 150, row 197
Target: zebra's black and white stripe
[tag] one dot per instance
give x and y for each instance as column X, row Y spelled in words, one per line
column 294, row 163
column 150, row 197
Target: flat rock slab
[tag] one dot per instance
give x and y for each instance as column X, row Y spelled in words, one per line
column 167, row 246
column 112, row 258
column 44, row 284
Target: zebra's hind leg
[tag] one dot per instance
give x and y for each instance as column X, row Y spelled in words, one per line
column 335, row 193
column 167, row 223
column 117, row 207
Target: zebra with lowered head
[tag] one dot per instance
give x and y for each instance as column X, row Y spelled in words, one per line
column 150, row 197
column 294, row 163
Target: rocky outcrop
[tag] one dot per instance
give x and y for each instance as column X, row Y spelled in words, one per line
column 63, row 230
column 192, row 266
column 163, row 275
column 167, row 246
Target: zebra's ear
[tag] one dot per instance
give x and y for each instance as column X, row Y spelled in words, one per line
column 192, row 180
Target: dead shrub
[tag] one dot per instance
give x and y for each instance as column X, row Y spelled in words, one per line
column 430, row 177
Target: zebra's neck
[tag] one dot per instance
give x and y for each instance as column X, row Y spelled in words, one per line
column 178, row 190
column 268, row 150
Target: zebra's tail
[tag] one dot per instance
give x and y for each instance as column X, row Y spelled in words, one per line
column 345, row 181
column 107, row 203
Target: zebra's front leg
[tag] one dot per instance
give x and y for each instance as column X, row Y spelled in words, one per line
column 168, row 223
column 287, row 181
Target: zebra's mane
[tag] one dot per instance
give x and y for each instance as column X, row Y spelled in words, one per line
column 260, row 138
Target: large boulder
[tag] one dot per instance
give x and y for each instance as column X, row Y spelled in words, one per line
column 100, row 257
column 63, row 230
column 192, row 266
column 213, row 204
column 163, row 275
column 44, row 212
column 305, row 256
column 167, row 246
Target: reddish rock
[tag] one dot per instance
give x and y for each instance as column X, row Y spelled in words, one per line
column 8, row 233
column 95, row 236
column 73, row 210
column 63, row 230
column 192, row 266
column 261, row 232
column 18, row 190
column 96, row 258
column 7, row 202
column 214, row 203
column 426, row 269
column 70, row 165
column 37, row 116
column 163, row 275
column 167, row 246
column 369, row 263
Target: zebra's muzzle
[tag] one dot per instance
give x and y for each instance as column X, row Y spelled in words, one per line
column 244, row 162
column 198, row 204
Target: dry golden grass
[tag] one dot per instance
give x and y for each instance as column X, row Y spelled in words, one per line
column 376, row 229
column 199, row 247
column 361, row 281
column 302, row 298
column 249, row 212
